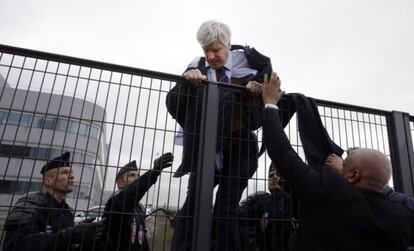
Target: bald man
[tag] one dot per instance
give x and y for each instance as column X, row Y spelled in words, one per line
column 336, row 162
column 365, row 168
column 340, row 209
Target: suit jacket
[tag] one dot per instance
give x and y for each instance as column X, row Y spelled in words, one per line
column 316, row 142
column 334, row 214
column 184, row 104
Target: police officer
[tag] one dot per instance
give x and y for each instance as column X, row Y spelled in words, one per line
column 43, row 220
column 266, row 219
column 124, row 216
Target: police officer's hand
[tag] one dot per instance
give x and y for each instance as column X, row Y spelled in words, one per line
column 86, row 232
column 164, row 161
column 194, row 76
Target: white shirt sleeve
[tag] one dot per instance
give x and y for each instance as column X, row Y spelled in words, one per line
column 271, row 106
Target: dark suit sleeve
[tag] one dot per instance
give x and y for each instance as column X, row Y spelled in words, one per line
column 126, row 200
column 180, row 98
column 252, row 106
column 305, row 182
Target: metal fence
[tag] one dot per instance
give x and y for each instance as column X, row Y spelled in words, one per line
column 107, row 115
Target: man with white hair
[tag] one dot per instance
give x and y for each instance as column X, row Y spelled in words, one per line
column 239, row 115
column 342, row 208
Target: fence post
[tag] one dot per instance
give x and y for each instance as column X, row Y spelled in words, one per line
column 205, row 170
column 401, row 150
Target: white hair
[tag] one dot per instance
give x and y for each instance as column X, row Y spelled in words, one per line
column 212, row 31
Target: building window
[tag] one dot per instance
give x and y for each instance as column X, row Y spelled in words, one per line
column 49, row 122
column 13, row 119
column 38, row 121
column 26, row 120
column 2, row 117
column 15, row 151
column 19, row 187
column 73, row 126
column 40, row 153
column 84, row 129
column 94, row 132
column 43, row 153
column 62, row 124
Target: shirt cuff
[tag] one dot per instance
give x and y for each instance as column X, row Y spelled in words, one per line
column 271, row 106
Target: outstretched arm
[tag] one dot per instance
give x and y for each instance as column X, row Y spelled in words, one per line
column 149, row 178
column 303, row 180
column 126, row 200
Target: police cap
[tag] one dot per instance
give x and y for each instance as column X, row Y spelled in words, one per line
column 131, row 166
column 61, row 161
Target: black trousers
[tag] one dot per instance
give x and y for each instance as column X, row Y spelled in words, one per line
column 240, row 154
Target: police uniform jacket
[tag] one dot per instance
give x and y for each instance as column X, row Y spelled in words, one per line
column 125, row 217
column 36, row 223
column 266, row 221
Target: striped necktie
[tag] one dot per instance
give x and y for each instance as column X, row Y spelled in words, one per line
column 221, row 75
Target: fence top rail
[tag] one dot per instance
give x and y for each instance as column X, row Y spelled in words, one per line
column 165, row 76
column 355, row 108
column 87, row 62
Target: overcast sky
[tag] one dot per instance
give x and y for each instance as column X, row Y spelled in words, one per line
column 351, row 51
column 358, row 52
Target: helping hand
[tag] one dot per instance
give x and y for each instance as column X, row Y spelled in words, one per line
column 271, row 89
column 164, row 161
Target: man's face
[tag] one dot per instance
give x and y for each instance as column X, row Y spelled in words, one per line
column 60, row 179
column 216, row 54
column 274, row 178
column 132, row 176
column 127, row 178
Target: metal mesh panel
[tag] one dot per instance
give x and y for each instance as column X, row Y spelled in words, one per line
column 104, row 118
column 347, row 127
column 412, row 129
column 107, row 115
